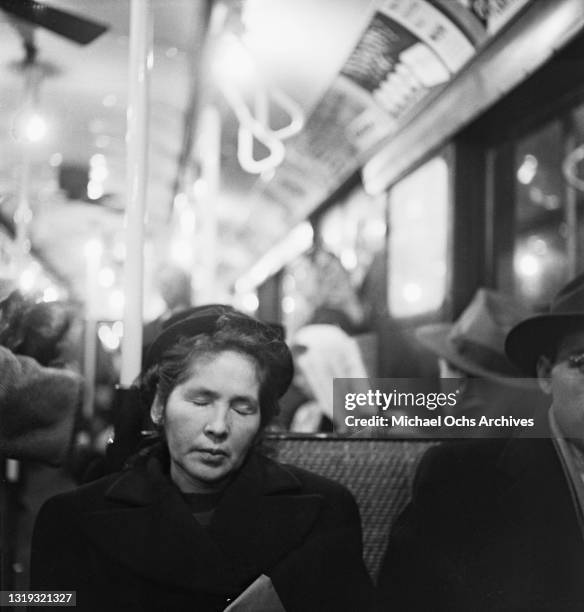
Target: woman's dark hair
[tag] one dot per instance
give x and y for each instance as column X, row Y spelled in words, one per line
column 233, row 332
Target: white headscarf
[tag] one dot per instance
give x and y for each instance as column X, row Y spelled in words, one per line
column 329, row 353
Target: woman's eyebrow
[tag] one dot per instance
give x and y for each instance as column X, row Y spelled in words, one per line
column 245, row 398
column 199, row 390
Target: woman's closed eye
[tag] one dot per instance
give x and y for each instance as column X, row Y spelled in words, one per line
column 244, row 406
column 203, row 401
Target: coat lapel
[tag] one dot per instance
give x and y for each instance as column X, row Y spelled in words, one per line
column 149, row 528
column 535, row 486
column 541, row 519
column 263, row 516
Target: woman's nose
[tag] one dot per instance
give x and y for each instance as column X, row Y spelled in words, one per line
column 218, row 426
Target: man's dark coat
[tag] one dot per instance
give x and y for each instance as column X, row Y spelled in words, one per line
column 129, row 542
column 491, row 526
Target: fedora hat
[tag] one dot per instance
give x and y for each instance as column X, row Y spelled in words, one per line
column 474, row 343
column 539, row 335
column 210, row 318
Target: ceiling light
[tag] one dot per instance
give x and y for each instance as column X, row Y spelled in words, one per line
column 27, row 279
column 527, row 265
column 250, row 302
column 528, row 169
column 412, row 292
column 109, row 339
column 94, row 190
column 35, row 128
column 98, row 174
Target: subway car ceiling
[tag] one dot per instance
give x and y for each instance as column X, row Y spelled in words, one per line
column 261, row 114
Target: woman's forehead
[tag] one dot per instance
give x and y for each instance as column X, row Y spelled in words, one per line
column 223, row 361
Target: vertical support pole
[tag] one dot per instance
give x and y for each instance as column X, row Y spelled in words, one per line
column 23, row 214
column 210, row 155
column 136, row 173
column 93, row 253
column 207, row 148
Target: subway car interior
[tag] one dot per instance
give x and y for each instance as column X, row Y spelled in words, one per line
column 361, row 165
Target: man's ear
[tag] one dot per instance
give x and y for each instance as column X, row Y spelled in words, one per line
column 157, row 411
column 544, row 372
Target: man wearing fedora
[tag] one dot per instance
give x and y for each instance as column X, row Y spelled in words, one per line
column 498, row 524
column 472, row 350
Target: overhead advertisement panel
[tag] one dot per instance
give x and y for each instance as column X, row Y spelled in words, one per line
column 430, row 26
column 409, row 51
column 493, row 14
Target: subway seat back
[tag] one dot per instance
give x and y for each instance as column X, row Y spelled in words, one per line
column 379, row 473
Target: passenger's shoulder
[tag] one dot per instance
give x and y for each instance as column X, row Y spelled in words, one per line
column 310, row 482
column 90, row 495
column 458, row 472
column 455, row 458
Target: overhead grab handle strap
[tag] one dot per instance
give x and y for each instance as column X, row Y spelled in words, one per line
column 251, row 128
column 294, row 112
column 245, row 140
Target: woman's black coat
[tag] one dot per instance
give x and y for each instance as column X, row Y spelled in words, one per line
column 129, row 542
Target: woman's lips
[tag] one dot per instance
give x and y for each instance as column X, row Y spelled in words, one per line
column 212, row 453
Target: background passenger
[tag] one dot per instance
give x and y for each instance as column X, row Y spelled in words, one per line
column 497, row 524
column 37, row 408
column 38, row 398
column 472, row 350
column 321, row 354
column 39, row 401
column 175, row 288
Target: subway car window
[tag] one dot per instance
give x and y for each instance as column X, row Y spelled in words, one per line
column 539, row 258
column 419, row 221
